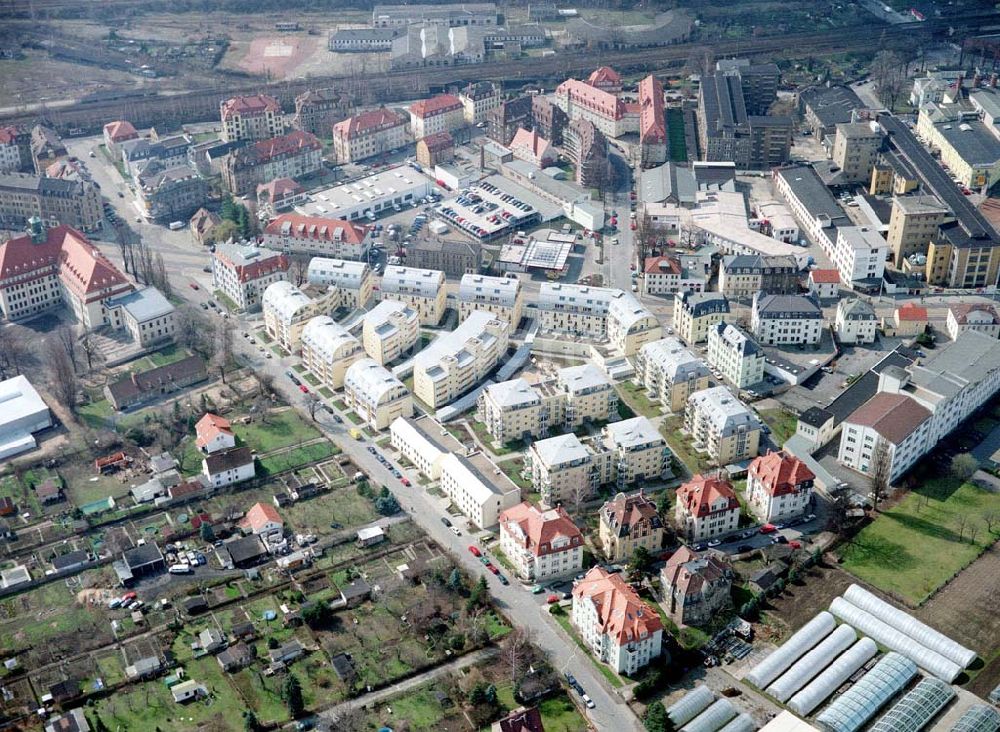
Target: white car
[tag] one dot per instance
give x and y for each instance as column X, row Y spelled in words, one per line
column 455, row 530
column 588, row 701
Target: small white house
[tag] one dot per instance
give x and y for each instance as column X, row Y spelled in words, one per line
column 981, row 317
column 187, row 690
column 228, row 466
column 856, row 321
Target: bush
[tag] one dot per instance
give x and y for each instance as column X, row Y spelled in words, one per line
column 387, row 505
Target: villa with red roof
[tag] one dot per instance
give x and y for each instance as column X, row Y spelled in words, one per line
column 115, row 133
column 213, row 433
column 541, row 544
column 47, row 268
column 262, row 518
column 255, row 117
column 779, row 486
column 707, row 507
column 370, row 133
column 289, row 156
column 652, row 122
column 608, row 113
column 243, row 271
column 279, row 194
column 606, row 79
column 824, row 283
column 440, row 113
column 614, row 622
column 297, row 234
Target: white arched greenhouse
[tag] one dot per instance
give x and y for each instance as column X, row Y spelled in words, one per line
column 743, row 723
column 690, row 705
column 807, row 667
column 781, row 660
column 830, row 680
column 713, row 718
column 852, row 710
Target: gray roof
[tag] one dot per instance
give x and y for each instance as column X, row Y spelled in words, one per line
column 245, row 549
column 634, row 432
column 142, row 555
column 70, row 559
column 787, row 306
column 808, row 187
column 815, row 417
column 585, row 378
column 513, row 393
column 144, row 304
column 855, row 309
column 366, row 34
column 864, row 388
column 831, row 105
column 230, row 459
column 722, row 103
column 703, row 303
column 560, row 449
column 758, row 262
column 737, row 339
column 668, row 181
column 972, row 140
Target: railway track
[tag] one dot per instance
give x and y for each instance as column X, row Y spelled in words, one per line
column 88, row 115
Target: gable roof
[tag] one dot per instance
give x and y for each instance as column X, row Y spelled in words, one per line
column 893, row 416
column 962, row 311
column 622, row 513
column 621, row 614
column 120, row 130
column 359, row 124
column 911, row 312
column 314, row 227
column 604, row 75
column 652, row 123
column 699, row 493
column 254, row 104
column 538, row 529
column 687, row 573
column 235, row 457
column 259, row 514
column 438, row 104
column 522, row 720
column 825, row 276
column 780, row 472
column 209, row 427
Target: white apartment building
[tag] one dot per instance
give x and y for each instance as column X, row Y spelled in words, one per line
column 513, row 410
column 722, row 426
column 590, row 395
column 294, row 233
column 598, row 313
column 367, row 134
column 669, row 372
column 786, row 320
column 779, row 487
column 287, row 309
column 639, row 452
column 565, row 470
column 421, row 289
column 981, row 317
column 457, row 360
column 478, row 488
column 375, row 395
column 706, row 507
column 353, row 279
column 256, row 117
column 227, row 467
column 243, row 271
column 389, row 330
column 859, row 253
column 501, row 296
column 441, row 113
column 668, row 276
column 735, row 354
column 542, row 544
column 328, row 350
column 478, row 100
column 856, row 321
column 619, row 628
column 898, row 420
column 424, row 443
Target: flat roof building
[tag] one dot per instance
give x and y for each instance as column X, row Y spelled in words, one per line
column 22, row 412
column 421, row 289
column 478, row 488
column 501, row 296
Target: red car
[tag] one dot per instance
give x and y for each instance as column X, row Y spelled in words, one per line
column 768, row 529
column 632, row 226
column 474, row 550
column 129, row 596
column 303, row 388
column 795, row 544
column 193, row 286
column 405, row 481
column 552, row 599
column 493, row 568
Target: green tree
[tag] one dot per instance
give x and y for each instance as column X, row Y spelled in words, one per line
column 455, row 582
column 387, row 505
column 480, row 594
column 223, row 232
column 640, row 561
column 656, row 719
column 963, row 466
column 663, row 504
column 99, row 725
column 291, row 694
column 207, row 532
column 318, row 614
column 250, row 721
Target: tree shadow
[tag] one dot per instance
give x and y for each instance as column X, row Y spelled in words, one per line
column 881, row 552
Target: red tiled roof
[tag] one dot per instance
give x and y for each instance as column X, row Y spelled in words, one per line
column 911, row 311
column 621, row 614
column 279, row 188
column 962, row 311
column 284, row 144
column 536, row 145
column 652, row 124
column 688, row 572
column 894, row 416
column 313, row 227
column 209, row 427
column 439, row 104
column 8, row 135
column 268, row 262
column 597, row 100
column 120, row 130
column 699, row 493
column 604, row 75
column 260, row 514
column 825, row 276
column 661, row 265
column 250, row 105
column 780, row 473
column 438, row 141
column 187, row 488
column 541, row 528
column 624, row 513
column 375, row 119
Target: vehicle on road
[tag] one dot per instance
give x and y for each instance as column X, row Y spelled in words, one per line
column 715, row 542
column 795, row 544
column 193, row 286
column 744, row 548
column 456, row 531
column 537, row 590
column 699, row 547
column 552, row 599
column 405, row 481
column 779, row 539
column 485, row 561
column 474, row 550
column 176, row 225
column 767, row 529
column 372, row 450
column 503, row 580
column 588, row 701
column 445, row 521
column 303, row 388
column 493, row 568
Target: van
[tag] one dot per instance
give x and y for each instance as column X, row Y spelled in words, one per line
column 174, row 226
column 182, row 568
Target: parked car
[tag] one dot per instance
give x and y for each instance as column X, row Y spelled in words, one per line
column 474, row 550
column 588, row 701
column 445, row 521
column 538, row 590
column 503, row 580
column 552, row 599
column 768, row 529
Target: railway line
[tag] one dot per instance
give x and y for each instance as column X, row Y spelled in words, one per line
column 145, row 109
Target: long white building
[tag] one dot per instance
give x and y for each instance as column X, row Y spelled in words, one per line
column 424, row 443
column 478, row 488
column 328, row 349
column 421, row 289
column 22, row 412
column 389, row 330
column 375, row 395
column 670, row 373
column 354, row 280
column 501, row 296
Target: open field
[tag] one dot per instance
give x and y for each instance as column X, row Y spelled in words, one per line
column 636, row 398
column 283, row 428
column 914, row 547
column 799, row 603
column 783, row 424
column 680, row 445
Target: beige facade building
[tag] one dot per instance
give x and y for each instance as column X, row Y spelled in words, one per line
column 421, row 289
column 670, row 373
column 328, row 350
column 721, row 426
column 441, row 113
column 706, row 508
column 287, row 309
column 855, row 150
column 590, row 395
column 367, row 134
column 375, row 395
column 501, row 296
column 627, row 523
column 256, row 117
column 735, row 355
column 696, row 313
column 913, row 224
column 565, row 470
column 779, row 487
column 389, row 330
column 598, row 313
column 542, row 544
column 354, row 280
column 638, row 451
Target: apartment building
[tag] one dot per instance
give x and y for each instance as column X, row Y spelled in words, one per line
column 501, row 296
column 280, row 194
column 782, row 320
column 721, row 426
column 856, row 321
column 317, row 110
column 706, row 507
column 328, row 350
column 293, row 155
column 368, row 134
column 586, row 147
column 779, row 487
column 532, row 148
column 981, row 317
column 287, row 309
column 736, row 355
column 908, row 320
column 436, row 149
column 639, row 452
column 859, row 254
column 46, row 148
column 913, row 224
column 457, row 360
column 823, row 284
column 741, row 276
column 513, row 410
column 895, row 419
column 256, row 117
column 695, row 588
column 670, row 373
column 55, row 201
column 294, row 233
column 479, row 100
column 353, row 279
column 421, row 289
column 375, row 395
column 115, row 133
column 819, row 215
column 169, row 194
column 389, row 331
column 667, row 276
column 440, row 113
column 652, row 123
column 619, row 628
column 478, row 488
column 589, row 395
column 608, row 113
column 10, row 151
column 599, row 313
column 542, row 544
column 855, row 150
column 565, row 470
column 169, row 152
column 627, row 523
column 696, row 313
column 508, row 118
column 424, row 443
column 242, row 271
column 549, row 120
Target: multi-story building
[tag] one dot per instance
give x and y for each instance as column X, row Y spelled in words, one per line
column 779, row 487
column 256, row 117
column 908, row 320
column 638, row 451
column 296, row 234
column 46, row 148
column 670, row 373
column 967, row 144
column 894, row 419
column 287, row 309
column 627, row 523
column 243, row 271
column 279, row 195
column 824, row 107
column 170, row 194
column 547, row 118
column 587, row 149
column 456, row 360
column 375, row 395
column 363, row 40
column 589, row 395
column 51, row 267
column 819, row 215
column 75, row 203
column 454, row 257
column 328, row 350
column 599, row 313
column 619, row 628
column 667, row 276
column 509, row 116
column 981, row 317
column 513, row 410
column 353, row 279
column 441, row 113
column 146, row 315
column 564, row 469
column 532, row 148
column 169, row 152
column 466, row 14
column 823, row 284
column 421, row 289
column 733, row 353
column 367, row 134
column 542, row 544
column 317, row 110
column 606, row 79
column 695, row 589
column 424, row 443
column 652, row 123
column 781, row 320
column 421, row 46
column 608, row 113
column 707, row 507
column 118, row 132
column 913, row 224
column 478, row 488
column 696, row 313
column 856, row 321
column 855, row 151
column 741, row 276
column 722, row 426
column 436, row 149
column 390, row 330
column 15, row 149
column 727, row 132
column 290, row 156
column 479, row 100
column 859, row 254
column 501, row 296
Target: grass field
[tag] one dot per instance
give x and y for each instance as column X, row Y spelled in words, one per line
column 297, row 457
column 782, row 424
column 675, row 135
column 914, row 547
column 636, row 397
column 283, row 428
column 487, row 439
column 693, row 460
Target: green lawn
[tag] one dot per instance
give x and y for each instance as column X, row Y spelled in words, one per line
column 96, row 415
column 170, row 354
column 355, row 419
column 675, row 135
column 636, row 398
column 283, row 428
column 226, row 301
column 325, row 392
column 782, row 424
column 297, row 458
column 914, row 547
column 487, row 439
column 512, row 469
column 311, row 378
column 695, row 462
column 563, row 619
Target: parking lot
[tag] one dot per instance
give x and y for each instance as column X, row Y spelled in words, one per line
column 486, row 212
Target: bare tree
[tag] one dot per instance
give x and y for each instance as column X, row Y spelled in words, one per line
column 65, row 338
column 313, row 403
column 879, row 471
column 13, row 352
column 990, row 518
column 345, row 718
column 517, row 653
column 90, row 350
column 973, row 532
column 265, row 382
column 579, row 492
column 888, row 73
column 222, row 359
column 963, row 524
column 62, row 373
column 299, row 270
